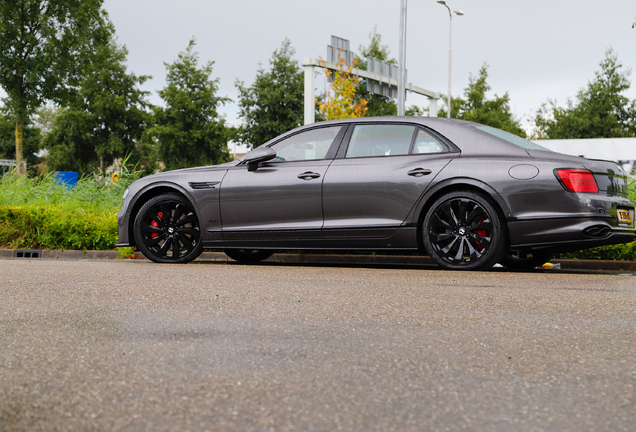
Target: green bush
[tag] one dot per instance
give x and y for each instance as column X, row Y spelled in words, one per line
column 39, row 213
column 620, row 252
column 57, row 227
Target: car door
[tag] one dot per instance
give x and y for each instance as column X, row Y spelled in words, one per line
column 281, row 199
column 378, row 177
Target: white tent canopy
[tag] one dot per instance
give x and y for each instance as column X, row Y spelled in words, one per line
column 614, row 149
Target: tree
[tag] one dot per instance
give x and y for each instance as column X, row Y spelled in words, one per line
column 477, row 108
column 415, row 110
column 600, row 110
column 43, row 46
column 377, row 105
column 31, row 140
column 273, row 104
column 343, row 103
column 104, row 121
column 189, row 130
column 44, row 118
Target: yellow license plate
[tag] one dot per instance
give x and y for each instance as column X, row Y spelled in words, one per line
column 624, row 216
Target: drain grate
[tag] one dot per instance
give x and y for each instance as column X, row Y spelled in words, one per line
column 27, row 253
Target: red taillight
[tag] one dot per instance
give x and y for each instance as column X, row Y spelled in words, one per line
column 578, row 180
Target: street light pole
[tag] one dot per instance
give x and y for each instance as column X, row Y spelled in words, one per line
column 450, row 51
column 402, row 60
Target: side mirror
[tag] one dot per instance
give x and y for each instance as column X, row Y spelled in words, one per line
column 256, row 156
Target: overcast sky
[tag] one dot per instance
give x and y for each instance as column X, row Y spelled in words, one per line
column 536, row 49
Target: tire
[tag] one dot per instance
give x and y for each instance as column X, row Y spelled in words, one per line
column 248, row 256
column 463, row 231
column 167, row 230
column 525, row 260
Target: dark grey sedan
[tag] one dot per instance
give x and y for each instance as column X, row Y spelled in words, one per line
column 465, row 194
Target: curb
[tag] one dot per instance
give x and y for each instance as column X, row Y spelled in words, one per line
column 302, row 258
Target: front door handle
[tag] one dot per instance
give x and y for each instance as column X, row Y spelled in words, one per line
column 308, row 175
column 419, row 172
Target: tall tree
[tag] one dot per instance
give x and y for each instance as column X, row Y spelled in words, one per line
column 478, row 108
column 188, row 129
column 601, row 110
column 377, row 105
column 43, row 46
column 273, row 104
column 106, row 118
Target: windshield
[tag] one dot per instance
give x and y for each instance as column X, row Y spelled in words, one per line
column 511, row 138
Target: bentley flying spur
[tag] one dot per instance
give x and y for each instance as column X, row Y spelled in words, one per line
column 465, row 194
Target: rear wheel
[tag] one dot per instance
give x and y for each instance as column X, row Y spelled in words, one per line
column 462, row 231
column 248, row 256
column 525, row 260
column 167, row 230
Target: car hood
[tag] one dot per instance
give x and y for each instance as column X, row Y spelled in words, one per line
column 162, row 174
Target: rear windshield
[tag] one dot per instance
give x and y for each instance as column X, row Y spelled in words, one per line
column 512, row 138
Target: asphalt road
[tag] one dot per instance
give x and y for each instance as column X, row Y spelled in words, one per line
column 134, row 346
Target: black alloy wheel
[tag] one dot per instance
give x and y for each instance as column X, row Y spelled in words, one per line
column 462, row 231
column 248, row 256
column 167, row 230
column 525, row 260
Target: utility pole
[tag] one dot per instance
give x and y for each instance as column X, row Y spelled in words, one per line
column 402, row 61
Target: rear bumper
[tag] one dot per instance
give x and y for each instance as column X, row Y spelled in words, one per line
column 566, row 234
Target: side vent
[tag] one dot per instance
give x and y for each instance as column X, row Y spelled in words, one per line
column 203, row 185
column 597, row 231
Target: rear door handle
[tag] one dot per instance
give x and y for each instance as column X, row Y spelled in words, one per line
column 419, row 172
column 308, row 175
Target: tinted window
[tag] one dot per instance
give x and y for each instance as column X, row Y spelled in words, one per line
column 380, row 140
column 425, row 144
column 511, row 138
column 309, row 145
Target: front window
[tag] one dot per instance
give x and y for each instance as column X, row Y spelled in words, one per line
column 309, row 145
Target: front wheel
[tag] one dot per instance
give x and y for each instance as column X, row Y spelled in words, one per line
column 248, row 256
column 167, row 230
column 463, row 231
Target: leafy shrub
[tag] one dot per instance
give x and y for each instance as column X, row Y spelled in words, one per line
column 620, row 252
column 39, row 213
column 57, row 227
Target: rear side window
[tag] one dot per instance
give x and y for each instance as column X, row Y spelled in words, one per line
column 380, row 140
column 425, row 143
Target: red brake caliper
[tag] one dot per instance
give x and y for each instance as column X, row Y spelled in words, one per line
column 482, row 233
column 155, row 224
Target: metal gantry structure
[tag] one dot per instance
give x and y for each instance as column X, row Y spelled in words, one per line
column 381, row 78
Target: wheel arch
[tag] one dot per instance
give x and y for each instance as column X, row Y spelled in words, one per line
column 149, row 193
column 461, row 184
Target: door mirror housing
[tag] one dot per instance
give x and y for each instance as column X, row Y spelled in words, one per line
column 256, row 156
